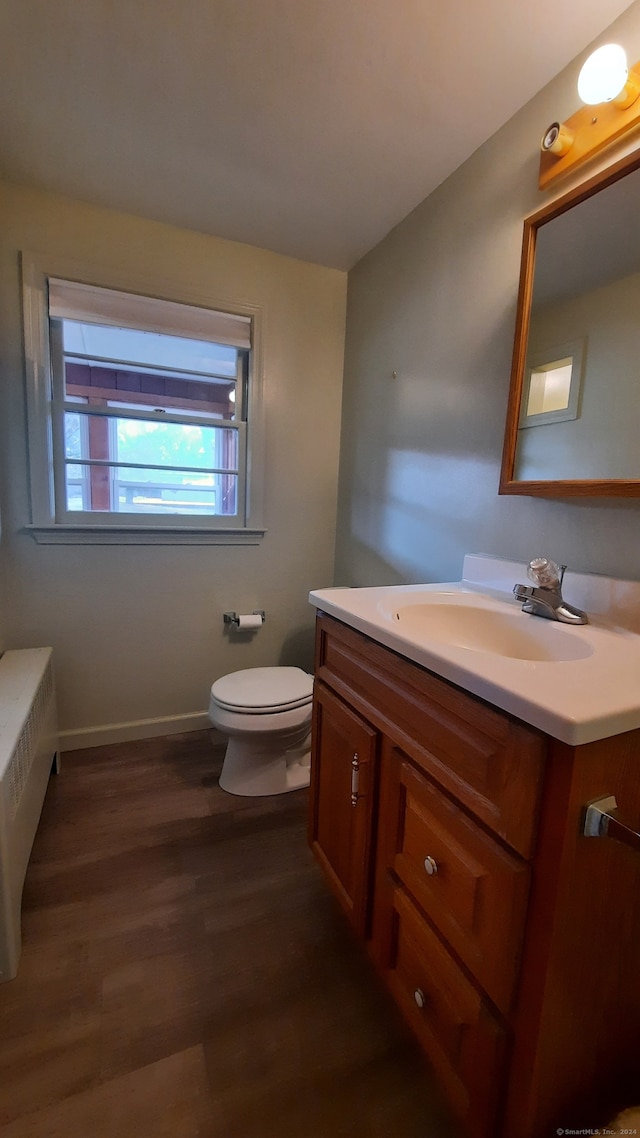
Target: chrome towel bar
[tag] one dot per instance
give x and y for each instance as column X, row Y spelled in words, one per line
column 601, row 821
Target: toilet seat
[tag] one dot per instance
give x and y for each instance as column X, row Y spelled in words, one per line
column 263, row 691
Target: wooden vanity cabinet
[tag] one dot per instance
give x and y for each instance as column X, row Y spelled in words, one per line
column 510, row 942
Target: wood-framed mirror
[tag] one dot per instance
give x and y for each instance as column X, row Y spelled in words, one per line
column 573, row 416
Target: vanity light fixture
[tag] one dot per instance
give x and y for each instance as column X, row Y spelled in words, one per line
column 605, row 82
column 605, row 78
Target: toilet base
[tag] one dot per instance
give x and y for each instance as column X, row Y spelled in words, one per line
column 253, row 768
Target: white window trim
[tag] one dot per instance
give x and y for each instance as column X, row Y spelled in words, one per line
column 246, row 529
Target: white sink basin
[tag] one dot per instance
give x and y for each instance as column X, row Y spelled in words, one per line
column 578, row 684
column 481, row 628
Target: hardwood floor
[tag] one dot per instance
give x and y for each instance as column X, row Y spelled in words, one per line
column 184, row 972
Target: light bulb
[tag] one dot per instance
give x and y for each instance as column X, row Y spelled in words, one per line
column 604, row 75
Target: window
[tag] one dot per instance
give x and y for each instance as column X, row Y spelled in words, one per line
column 138, row 414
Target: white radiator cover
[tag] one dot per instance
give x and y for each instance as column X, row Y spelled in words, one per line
column 28, row 748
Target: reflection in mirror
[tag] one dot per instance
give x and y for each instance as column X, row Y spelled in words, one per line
column 553, row 380
column 573, row 425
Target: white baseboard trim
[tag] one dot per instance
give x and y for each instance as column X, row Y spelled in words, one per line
column 137, row 729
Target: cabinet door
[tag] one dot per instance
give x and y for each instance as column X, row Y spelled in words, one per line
column 343, row 762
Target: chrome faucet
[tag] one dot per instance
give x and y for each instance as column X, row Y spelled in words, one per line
column 544, row 598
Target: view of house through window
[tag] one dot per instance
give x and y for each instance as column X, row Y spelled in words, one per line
column 149, row 422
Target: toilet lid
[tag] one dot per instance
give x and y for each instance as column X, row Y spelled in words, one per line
column 263, row 690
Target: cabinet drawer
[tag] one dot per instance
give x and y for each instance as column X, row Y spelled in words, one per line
column 472, row 889
column 458, row 1032
column 485, row 758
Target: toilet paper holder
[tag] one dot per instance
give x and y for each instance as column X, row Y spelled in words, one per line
column 234, row 617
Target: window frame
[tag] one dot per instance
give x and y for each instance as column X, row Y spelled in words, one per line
column 112, row 412
column 44, row 411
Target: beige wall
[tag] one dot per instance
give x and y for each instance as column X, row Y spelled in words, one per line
column 137, row 631
column 435, row 302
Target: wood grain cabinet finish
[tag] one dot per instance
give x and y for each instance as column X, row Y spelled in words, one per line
column 488, row 761
column 464, row 881
column 340, row 830
column 510, row 941
column 454, row 1023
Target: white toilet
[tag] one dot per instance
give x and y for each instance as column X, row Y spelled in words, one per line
column 266, row 713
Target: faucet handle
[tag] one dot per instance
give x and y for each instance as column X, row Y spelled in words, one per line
column 545, row 573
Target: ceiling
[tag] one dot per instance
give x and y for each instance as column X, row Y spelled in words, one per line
column 308, row 127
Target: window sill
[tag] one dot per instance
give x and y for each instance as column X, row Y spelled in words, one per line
column 134, row 535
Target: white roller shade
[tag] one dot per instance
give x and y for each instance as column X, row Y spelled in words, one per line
column 69, row 300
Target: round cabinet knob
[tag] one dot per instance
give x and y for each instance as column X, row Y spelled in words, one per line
column 419, row 997
column 431, row 866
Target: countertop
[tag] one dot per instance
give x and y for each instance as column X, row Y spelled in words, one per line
column 591, row 696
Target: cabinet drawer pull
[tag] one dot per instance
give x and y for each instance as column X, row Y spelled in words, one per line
column 355, row 779
column 431, row 866
column 419, row 997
